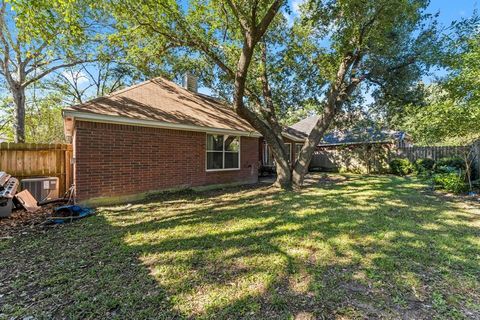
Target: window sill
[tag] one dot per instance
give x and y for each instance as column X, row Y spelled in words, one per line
column 219, row 170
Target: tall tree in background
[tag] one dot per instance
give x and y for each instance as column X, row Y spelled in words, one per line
column 37, row 38
column 43, row 117
column 355, row 44
column 87, row 81
column 452, row 110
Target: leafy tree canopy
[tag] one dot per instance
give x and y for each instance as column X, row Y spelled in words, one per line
column 40, row 37
column 325, row 60
column 452, row 110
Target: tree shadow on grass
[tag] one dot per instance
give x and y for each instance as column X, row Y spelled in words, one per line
column 78, row 271
column 372, row 246
column 361, row 247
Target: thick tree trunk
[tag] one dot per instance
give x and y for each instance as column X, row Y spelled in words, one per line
column 282, row 166
column 19, row 114
column 300, row 168
column 284, row 177
column 272, row 136
column 338, row 93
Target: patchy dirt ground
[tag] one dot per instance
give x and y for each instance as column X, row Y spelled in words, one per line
column 22, row 222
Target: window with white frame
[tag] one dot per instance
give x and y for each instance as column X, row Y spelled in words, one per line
column 223, row 152
column 268, row 159
column 288, row 145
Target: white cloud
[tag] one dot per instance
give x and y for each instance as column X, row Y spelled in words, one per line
column 296, row 4
column 72, row 75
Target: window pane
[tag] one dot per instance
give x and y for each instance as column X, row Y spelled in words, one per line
column 214, row 142
column 214, row 160
column 298, row 148
column 232, row 143
column 231, row 160
column 268, row 156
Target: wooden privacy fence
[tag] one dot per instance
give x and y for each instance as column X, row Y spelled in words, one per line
column 432, row 152
column 438, row 152
column 375, row 157
column 28, row 160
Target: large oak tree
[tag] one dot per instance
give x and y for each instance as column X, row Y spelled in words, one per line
column 248, row 50
column 354, row 45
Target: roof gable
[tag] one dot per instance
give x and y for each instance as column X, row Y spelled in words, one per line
column 164, row 101
column 306, row 125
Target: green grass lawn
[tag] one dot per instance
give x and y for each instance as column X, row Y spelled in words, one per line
column 348, row 247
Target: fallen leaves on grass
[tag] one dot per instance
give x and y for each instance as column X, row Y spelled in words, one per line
column 23, row 222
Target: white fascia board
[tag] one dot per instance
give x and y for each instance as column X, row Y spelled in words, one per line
column 353, row 143
column 289, row 136
column 92, row 117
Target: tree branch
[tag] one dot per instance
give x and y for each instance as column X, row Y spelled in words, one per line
column 50, row 70
column 6, row 48
column 269, row 112
column 41, row 64
column 236, row 12
column 267, row 19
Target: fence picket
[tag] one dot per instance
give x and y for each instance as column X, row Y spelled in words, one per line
column 432, row 152
column 26, row 160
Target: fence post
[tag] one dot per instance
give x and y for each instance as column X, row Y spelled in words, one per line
column 476, row 163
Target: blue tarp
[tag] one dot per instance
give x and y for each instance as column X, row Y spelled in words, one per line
column 69, row 213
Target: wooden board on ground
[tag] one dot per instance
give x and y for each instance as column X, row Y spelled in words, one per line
column 27, row 201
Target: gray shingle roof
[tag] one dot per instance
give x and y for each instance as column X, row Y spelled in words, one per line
column 354, row 136
column 306, row 125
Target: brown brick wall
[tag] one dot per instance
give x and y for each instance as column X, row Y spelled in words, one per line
column 115, row 160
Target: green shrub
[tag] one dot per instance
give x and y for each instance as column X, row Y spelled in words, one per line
column 451, row 182
column 450, row 164
column 423, row 165
column 401, row 167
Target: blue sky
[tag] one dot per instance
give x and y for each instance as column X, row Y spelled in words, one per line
column 449, row 11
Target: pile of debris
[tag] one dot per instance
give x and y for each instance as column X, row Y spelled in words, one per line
column 22, row 212
column 8, row 189
column 22, row 222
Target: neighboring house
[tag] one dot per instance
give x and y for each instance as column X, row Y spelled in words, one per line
column 359, row 149
column 354, row 136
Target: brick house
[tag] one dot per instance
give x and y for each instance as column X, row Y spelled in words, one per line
column 157, row 136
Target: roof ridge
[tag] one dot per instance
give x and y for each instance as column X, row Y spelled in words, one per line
column 114, row 93
column 161, row 99
column 222, row 102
